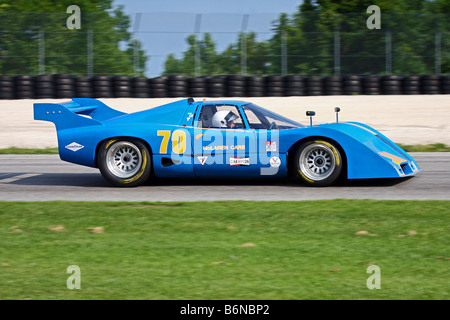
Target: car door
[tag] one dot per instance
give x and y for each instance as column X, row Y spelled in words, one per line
column 221, row 151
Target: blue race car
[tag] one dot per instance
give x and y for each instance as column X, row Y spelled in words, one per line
column 238, row 139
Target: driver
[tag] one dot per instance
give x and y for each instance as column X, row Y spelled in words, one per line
column 224, row 119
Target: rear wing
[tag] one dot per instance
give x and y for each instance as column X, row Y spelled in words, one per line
column 80, row 112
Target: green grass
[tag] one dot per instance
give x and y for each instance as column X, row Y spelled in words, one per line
column 225, row 250
column 14, row 150
column 435, row 147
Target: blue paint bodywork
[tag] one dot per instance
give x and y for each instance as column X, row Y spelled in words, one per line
column 83, row 124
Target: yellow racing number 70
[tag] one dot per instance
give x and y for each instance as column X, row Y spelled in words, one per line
column 178, row 141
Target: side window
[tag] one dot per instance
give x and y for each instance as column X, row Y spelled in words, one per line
column 220, row 116
column 253, row 121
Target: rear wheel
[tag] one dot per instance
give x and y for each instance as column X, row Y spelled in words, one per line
column 124, row 162
column 318, row 163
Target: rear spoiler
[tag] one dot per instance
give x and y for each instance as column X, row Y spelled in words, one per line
column 80, row 112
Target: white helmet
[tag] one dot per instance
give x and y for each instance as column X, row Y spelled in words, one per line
column 222, row 118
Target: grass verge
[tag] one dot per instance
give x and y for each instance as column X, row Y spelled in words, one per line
column 14, row 150
column 225, row 250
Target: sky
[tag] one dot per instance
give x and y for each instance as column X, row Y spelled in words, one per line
column 163, row 25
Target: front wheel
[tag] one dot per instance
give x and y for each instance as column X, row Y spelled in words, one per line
column 318, row 163
column 124, row 162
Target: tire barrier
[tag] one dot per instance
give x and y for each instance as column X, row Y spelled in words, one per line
column 430, row 84
column 23, row 87
column 411, row 85
column 370, row 85
column 64, row 86
column 177, row 86
column 294, row 85
column 102, row 87
column 83, row 87
column 274, row 86
column 391, row 84
column 59, row 86
column 314, row 86
column 235, row 85
column 6, row 87
column 352, row 85
column 445, row 84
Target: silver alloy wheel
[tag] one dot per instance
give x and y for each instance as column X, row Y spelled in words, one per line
column 317, row 161
column 124, row 159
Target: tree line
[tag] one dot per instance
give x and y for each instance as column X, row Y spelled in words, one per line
column 328, row 36
column 34, row 37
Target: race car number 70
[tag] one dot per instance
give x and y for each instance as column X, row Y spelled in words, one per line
column 178, row 141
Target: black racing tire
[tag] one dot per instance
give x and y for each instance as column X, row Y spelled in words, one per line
column 124, row 162
column 318, row 163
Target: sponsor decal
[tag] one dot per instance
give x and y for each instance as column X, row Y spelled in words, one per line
column 212, row 148
column 202, row 160
column 275, row 162
column 74, row 146
column 190, row 115
column 238, row 161
column 271, row 146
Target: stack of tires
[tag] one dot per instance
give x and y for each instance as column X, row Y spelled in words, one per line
column 236, row 85
column 370, row 85
column 121, row 86
column 430, row 84
column 391, row 84
column 102, row 87
column 332, row 86
column 197, row 87
column 83, row 87
column 445, row 84
column 63, row 86
column 352, row 85
column 140, row 87
column 6, row 87
column 274, row 86
column 43, row 86
column 216, row 86
column 314, row 86
column 177, row 86
column 293, row 85
column 256, row 86
column 23, row 87
column 411, row 85
column 158, row 87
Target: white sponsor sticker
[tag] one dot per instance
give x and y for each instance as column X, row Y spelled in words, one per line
column 237, row 161
column 271, row 146
column 275, row 162
column 202, row 160
column 74, row 146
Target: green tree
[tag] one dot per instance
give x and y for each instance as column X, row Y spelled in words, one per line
column 35, row 31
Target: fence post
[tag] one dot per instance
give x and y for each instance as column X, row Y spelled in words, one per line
column 90, row 53
column 284, row 65
column 136, row 45
column 197, row 59
column 388, row 52
column 337, row 53
column 438, row 39
column 244, row 45
column 41, row 52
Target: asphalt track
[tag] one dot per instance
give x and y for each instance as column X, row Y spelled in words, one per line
column 46, row 177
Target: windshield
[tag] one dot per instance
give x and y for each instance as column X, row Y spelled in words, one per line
column 260, row 118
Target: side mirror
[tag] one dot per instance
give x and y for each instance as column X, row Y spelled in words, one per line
column 310, row 114
column 337, row 109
